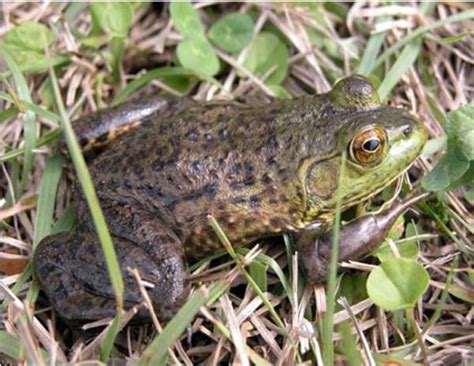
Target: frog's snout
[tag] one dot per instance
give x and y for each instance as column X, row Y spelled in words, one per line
column 415, row 131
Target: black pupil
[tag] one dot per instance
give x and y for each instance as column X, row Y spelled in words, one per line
column 371, row 145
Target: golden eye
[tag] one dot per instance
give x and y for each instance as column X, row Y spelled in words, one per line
column 367, row 148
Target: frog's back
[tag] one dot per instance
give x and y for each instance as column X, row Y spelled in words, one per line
column 227, row 160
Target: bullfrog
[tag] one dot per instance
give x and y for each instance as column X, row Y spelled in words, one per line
column 166, row 165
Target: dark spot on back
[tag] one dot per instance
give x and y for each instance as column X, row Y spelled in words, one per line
column 238, row 200
column 197, row 166
column 254, row 201
column 193, row 135
column 277, row 222
column 102, row 138
column 210, row 190
column 266, row 179
column 92, row 249
column 223, row 133
column 272, row 142
column 158, row 165
column 271, row 160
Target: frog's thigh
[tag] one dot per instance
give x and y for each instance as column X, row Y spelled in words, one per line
column 72, row 271
column 105, row 125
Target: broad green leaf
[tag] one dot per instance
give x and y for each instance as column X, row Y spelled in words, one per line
column 26, row 43
column 112, row 17
column 435, row 145
column 406, row 249
column 396, row 231
column 186, row 19
column 29, row 36
column 197, row 54
column 267, row 53
column 470, row 193
column 232, row 33
column 279, row 91
column 449, row 168
column 397, row 283
column 466, row 178
column 459, row 125
column 452, row 170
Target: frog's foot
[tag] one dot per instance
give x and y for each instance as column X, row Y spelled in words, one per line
column 72, row 271
column 357, row 239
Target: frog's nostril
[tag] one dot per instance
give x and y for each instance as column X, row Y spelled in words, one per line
column 408, row 130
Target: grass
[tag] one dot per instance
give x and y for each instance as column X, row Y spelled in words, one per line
column 251, row 306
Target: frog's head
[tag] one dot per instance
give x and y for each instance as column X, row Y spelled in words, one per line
column 378, row 141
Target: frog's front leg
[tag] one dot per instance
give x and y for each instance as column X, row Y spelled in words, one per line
column 72, row 271
column 356, row 240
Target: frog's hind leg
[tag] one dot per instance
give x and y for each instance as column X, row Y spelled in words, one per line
column 98, row 129
column 72, row 271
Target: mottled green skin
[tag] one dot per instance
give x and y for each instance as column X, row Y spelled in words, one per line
column 259, row 170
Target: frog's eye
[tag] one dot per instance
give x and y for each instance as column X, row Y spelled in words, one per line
column 367, row 147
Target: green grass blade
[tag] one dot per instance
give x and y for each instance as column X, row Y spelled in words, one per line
column 47, row 198
column 109, row 339
column 9, row 345
column 149, row 76
column 158, row 349
column 225, row 241
column 328, row 321
column 90, row 195
column 43, row 140
column 223, row 238
column 29, row 106
column 258, row 271
column 8, row 113
column 28, row 119
column 444, row 297
column 272, row 263
column 24, row 276
column 372, row 49
column 406, row 60
column 464, row 15
column 66, row 221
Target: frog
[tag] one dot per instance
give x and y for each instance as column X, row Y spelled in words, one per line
column 162, row 166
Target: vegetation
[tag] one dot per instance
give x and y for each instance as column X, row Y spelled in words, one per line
column 66, row 59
